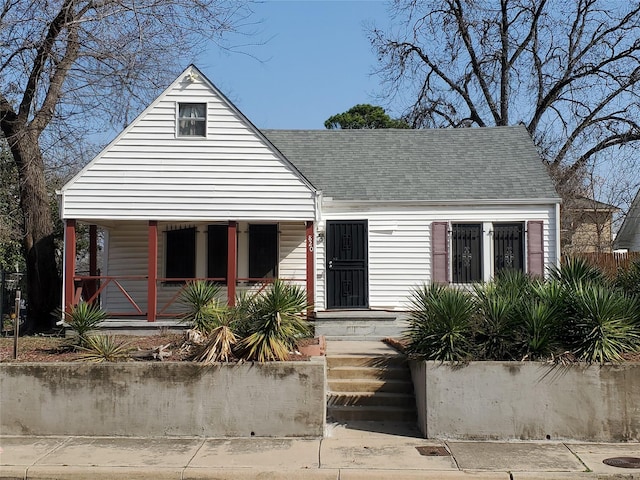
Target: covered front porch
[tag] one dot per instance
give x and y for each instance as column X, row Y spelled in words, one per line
column 146, row 265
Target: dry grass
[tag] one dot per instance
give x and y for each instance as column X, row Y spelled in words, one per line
column 54, row 349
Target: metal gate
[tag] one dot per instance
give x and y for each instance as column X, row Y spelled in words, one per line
column 347, row 267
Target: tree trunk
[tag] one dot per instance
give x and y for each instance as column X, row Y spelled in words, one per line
column 43, row 281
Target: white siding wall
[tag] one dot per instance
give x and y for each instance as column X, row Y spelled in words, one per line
column 400, row 250
column 127, row 255
column 150, row 173
column 293, row 254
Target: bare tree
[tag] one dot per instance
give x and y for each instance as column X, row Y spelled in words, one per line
column 66, row 65
column 569, row 71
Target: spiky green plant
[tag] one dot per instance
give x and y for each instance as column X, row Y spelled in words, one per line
column 441, row 323
column 204, row 307
column 576, row 270
column 498, row 333
column 540, row 329
column 82, row 319
column 277, row 319
column 628, row 279
column 218, row 346
column 104, row 348
column 514, row 283
column 606, row 323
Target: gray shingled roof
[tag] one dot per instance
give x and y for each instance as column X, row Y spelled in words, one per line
column 431, row 164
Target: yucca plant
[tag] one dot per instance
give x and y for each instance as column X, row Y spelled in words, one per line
column 514, row 283
column 104, row 348
column 218, row 346
column 498, row 333
column 277, row 319
column 441, row 323
column 575, row 270
column 82, row 319
column 203, row 305
column 539, row 322
column 606, row 323
column 628, row 279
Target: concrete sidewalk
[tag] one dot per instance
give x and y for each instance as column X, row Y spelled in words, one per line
column 356, row 451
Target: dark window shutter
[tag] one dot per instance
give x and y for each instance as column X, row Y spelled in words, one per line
column 439, row 252
column 181, row 253
column 263, row 251
column 217, row 241
column 535, row 248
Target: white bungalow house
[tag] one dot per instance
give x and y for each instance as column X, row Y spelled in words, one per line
column 192, row 189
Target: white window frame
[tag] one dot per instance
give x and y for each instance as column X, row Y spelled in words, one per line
column 203, row 119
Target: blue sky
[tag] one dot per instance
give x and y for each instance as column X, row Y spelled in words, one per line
column 315, row 61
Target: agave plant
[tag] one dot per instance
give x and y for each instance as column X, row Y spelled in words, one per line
column 82, row 319
column 606, row 323
column 104, row 348
column 277, row 319
column 441, row 323
column 204, row 307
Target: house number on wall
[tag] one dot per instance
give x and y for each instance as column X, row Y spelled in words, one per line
column 310, row 242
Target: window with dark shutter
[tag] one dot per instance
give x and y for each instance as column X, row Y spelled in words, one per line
column 466, row 247
column 508, row 246
column 263, row 251
column 180, row 261
column 217, row 240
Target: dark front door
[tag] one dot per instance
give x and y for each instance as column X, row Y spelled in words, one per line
column 347, row 264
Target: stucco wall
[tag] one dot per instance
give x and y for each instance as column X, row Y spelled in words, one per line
column 528, row 401
column 172, row 398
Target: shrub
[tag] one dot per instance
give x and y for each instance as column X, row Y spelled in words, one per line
column 441, row 323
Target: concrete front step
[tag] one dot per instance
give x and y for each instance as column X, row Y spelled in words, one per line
column 361, row 399
column 359, row 324
column 370, row 413
column 369, row 373
column 370, row 386
column 370, row 383
column 372, row 361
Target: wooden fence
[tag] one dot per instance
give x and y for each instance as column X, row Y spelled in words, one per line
column 609, row 263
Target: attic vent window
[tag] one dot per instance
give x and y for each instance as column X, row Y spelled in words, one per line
column 192, row 119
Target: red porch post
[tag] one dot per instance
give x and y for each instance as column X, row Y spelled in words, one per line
column 69, row 262
column 310, row 242
column 93, row 260
column 152, row 276
column 232, row 234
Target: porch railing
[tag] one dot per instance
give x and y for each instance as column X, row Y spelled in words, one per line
column 91, row 288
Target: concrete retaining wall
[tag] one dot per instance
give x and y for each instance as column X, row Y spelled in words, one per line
column 169, row 398
column 528, row 401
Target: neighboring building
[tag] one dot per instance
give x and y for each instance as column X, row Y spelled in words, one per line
column 628, row 236
column 192, row 189
column 587, row 226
